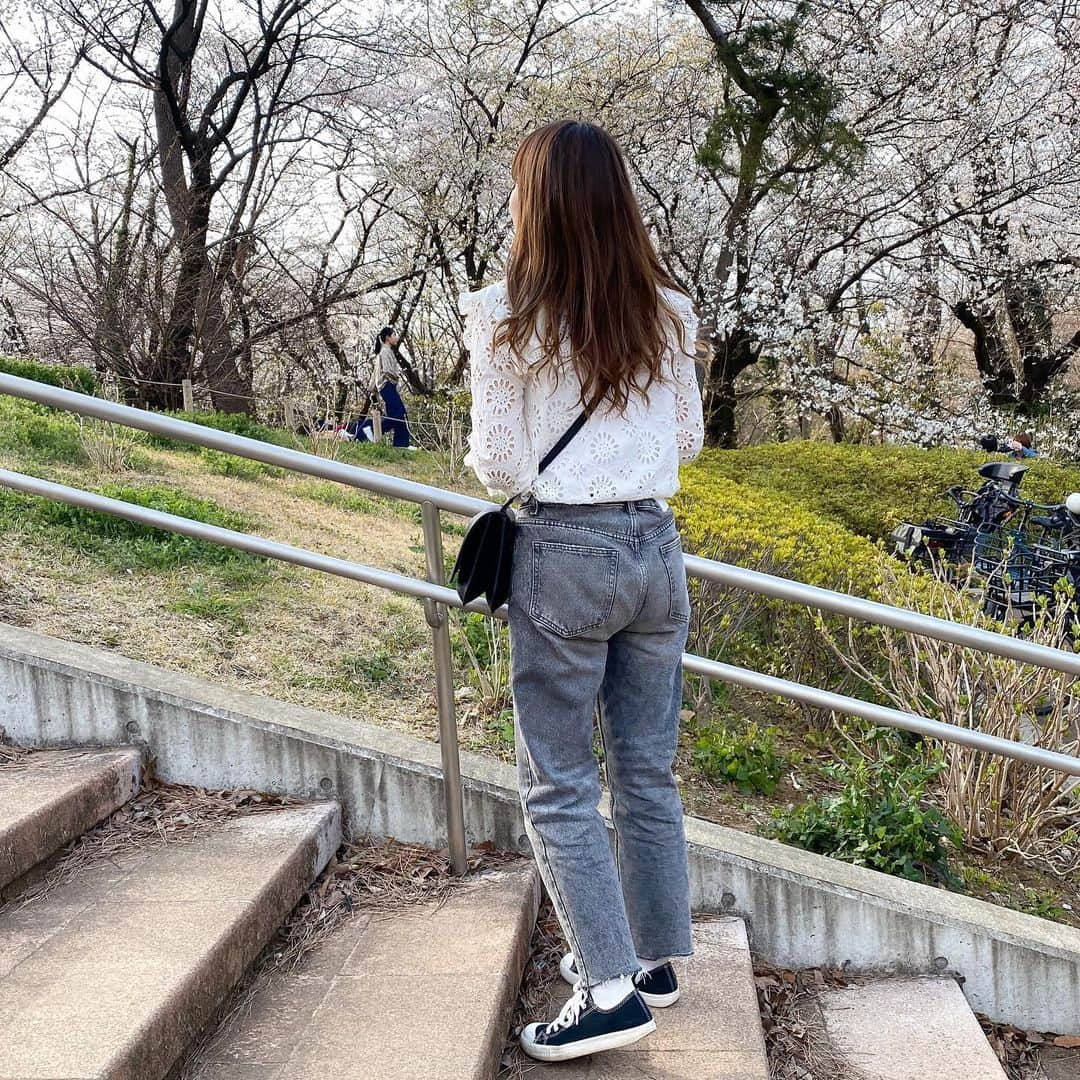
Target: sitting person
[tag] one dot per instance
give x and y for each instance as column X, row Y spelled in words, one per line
column 362, row 429
column 1020, row 446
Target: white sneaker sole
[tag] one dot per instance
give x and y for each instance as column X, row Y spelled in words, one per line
column 586, row 1046
column 654, row 1001
column 660, row 1001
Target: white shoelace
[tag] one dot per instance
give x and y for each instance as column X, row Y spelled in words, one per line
column 572, row 1010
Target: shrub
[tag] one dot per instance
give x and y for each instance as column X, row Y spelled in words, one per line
column 714, row 511
column 483, row 645
column 748, row 760
column 70, row 377
column 501, row 728
column 1043, row 903
column 111, row 448
column 751, row 527
column 868, row 489
column 881, row 818
column 1000, row 804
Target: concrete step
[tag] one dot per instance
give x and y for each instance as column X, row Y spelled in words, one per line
column 113, row 973
column 909, row 1029
column 423, row 994
column 713, row 1032
column 51, row 796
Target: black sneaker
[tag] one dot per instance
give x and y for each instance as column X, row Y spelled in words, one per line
column 659, row 988
column 584, row 1028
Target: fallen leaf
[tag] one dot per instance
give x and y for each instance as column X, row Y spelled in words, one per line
column 1069, row 1042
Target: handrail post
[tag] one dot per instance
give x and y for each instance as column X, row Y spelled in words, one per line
column 438, row 619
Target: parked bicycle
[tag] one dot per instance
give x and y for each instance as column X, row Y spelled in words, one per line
column 1018, row 553
column 952, row 539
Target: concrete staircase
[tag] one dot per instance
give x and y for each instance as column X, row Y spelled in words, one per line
column 909, row 1029
column 118, row 971
column 712, row 1033
column 112, row 973
column 419, row 995
column 889, row 1029
column 49, row 797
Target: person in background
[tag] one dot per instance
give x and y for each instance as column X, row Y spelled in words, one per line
column 385, row 382
column 1020, row 446
column 361, row 428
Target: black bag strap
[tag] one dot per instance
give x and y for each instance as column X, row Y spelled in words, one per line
column 563, row 441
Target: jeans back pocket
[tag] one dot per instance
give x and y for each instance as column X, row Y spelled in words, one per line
column 572, row 586
column 679, row 597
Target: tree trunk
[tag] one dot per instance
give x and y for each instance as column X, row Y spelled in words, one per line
column 991, row 353
column 110, row 340
column 346, row 379
column 731, row 355
column 836, row 423
column 14, row 336
column 230, row 390
column 197, row 321
column 174, row 358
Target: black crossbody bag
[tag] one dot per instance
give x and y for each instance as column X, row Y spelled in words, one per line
column 486, row 560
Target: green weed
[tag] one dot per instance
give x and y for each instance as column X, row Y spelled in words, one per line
column 239, row 467
column 205, row 601
column 882, row 818
column 126, row 545
column 746, row 759
column 69, row 376
column 35, row 435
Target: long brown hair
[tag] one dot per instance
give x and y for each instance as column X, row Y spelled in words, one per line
column 582, row 271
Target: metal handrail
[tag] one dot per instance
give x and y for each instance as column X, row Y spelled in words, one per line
column 440, row 594
column 437, row 596
column 284, row 457
column 468, row 506
column 873, row 611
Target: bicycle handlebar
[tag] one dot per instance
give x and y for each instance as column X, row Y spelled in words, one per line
column 1028, row 504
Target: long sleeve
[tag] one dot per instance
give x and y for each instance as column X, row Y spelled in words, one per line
column 388, row 364
column 500, row 450
column 689, row 421
column 385, row 367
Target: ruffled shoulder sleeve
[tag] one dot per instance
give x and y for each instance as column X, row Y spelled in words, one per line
column 480, row 300
column 689, row 422
column 500, row 450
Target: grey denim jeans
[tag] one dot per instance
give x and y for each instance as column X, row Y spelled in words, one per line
column 599, row 612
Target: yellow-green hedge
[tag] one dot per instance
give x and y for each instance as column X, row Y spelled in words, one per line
column 868, row 489
column 760, row 529
column 718, row 515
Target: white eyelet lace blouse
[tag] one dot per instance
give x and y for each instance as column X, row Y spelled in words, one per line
column 518, row 414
